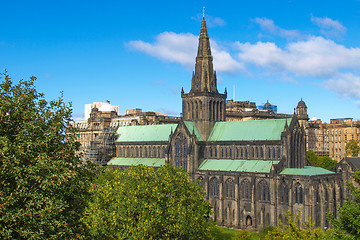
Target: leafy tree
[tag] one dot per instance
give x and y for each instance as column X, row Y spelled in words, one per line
column 43, row 183
column 320, row 161
column 348, row 222
column 352, row 148
column 143, row 203
column 292, row 230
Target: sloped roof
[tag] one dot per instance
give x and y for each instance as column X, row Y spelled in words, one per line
column 145, row 133
column 249, row 130
column 191, row 126
column 237, row 165
column 354, row 161
column 151, row 162
column 306, row 171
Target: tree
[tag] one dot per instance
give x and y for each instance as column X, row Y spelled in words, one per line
column 352, row 148
column 348, row 222
column 43, row 183
column 144, row 203
column 292, row 230
column 320, row 161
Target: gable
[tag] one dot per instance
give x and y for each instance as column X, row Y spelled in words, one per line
column 254, row 130
column 191, row 127
column 145, row 133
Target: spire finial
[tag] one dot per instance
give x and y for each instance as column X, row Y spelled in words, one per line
column 203, row 12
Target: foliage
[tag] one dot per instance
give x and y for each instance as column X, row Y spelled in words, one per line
column 143, row 203
column 291, row 230
column 347, row 224
column 320, row 161
column 352, row 148
column 44, row 185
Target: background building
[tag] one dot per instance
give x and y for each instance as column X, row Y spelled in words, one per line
column 330, row 138
column 96, row 134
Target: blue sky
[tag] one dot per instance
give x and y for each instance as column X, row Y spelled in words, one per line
column 139, row 54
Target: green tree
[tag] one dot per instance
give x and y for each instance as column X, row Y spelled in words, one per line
column 144, row 203
column 352, row 148
column 292, row 230
column 43, row 183
column 348, row 222
column 320, row 161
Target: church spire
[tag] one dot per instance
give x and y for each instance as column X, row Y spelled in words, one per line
column 204, row 79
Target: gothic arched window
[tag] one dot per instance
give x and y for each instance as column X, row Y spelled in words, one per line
column 257, row 152
column 230, row 153
column 299, row 194
column 214, row 187
column 211, row 152
column 246, row 153
column 181, row 149
column 201, row 181
column 215, row 152
column 261, row 152
column 245, row 189
column 284, row 193
column 229, row 188
column 263, row 191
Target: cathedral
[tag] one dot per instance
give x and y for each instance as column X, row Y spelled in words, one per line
column 253, row 172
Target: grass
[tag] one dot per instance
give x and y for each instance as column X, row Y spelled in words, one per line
column 221, row 233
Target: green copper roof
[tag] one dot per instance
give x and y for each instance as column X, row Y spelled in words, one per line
column 306, row 171
column 249, row 130
column 190, row 126
column 145, row 133
column 237, row 165
column 151, row 162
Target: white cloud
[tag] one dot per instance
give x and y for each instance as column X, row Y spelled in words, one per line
column 268, row 25
column 358, row 103
column 329, row 27
column 182, row 48
column 345, row 85
column 168, row 111
column 169, row 46
column 314, row 57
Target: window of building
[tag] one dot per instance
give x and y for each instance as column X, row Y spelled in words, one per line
column 261, row 152
column 215, row 152
column 245, row 189
column 299, row 195
column 229, row 188
column 284, row 193
column 263, row 191
column 214, row 187
column 246, row 153
column 230, row 153
column 181, row 149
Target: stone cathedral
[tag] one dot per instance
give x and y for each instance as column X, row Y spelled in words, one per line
column 253, row 172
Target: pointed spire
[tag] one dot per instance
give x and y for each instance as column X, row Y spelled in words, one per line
column 182, row 90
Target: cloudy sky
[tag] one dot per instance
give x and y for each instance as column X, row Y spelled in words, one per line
column 139, row 54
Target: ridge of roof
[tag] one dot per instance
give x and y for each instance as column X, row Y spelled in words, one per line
column 145, row 133
column 252, row 130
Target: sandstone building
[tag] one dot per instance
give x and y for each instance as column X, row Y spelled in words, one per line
column 329, row 139
column 96, row 133
column 253, row 172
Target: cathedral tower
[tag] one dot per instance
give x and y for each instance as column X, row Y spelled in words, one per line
column 204, row 104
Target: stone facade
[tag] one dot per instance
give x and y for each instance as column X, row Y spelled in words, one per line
column 245, row 110
column 97, row 134
column 253, row 172
column 330, row 139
